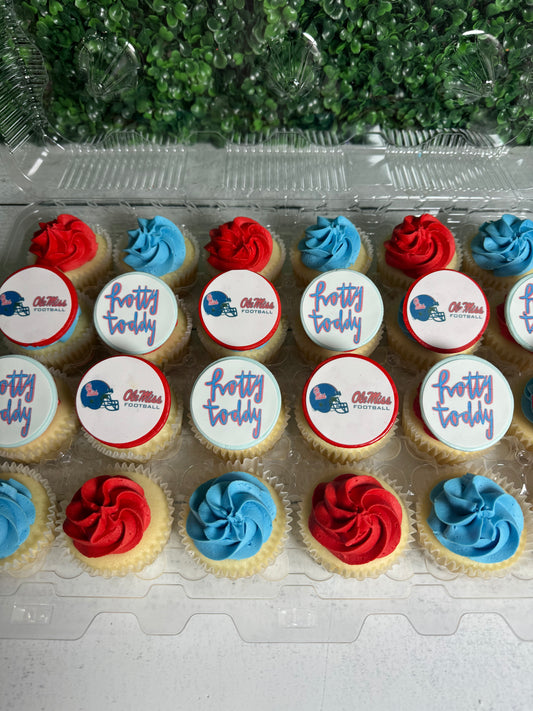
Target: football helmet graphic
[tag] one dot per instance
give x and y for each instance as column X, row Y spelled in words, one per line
column 325, row 397
column 216, row 303
column 11, row 303
column 96, row 394
column 424, row 308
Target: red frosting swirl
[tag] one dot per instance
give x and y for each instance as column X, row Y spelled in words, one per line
column 419, row 245
column 66, row 243
column 240, row 244
column 355, row 518
column 109, row 514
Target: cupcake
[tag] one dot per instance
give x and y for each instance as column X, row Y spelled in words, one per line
column 159, row 248
column 417, row 246
column 236, row 524
column 118, row 523
column 348, row 408
column 37, row 418
column 240, row 314
column 127, row 408
column 81, row 252
column 464, row 407
column 245, row 244
column 236, row 409
column 341, row 311
column 27, row 518
column 42, row 316
column 501, row 252
column 355, row 525
column 330, row 244
column 470, row 524
column 522, row 424
column 138, row 314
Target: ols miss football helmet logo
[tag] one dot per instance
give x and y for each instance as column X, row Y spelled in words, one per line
column 326, row 398
column 97, row 394
column 11, row 303
column 216, row 303
column 424, row 308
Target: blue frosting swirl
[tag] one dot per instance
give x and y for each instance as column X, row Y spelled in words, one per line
column 505, row 246
column 230, row 516
column 17, row 513
column 156, row 247
column 474, row 517
column 526, row 401
column 330, row 244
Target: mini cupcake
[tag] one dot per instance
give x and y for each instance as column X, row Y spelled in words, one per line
column 522, row 424
column 355, row 525
column 37, row 417
column 501, row 252
column 245, row 244
column 236, row 409
column 470, row 524
column 27, row 518
column 236, row 524
column 127, row 409
column 118, row 523
column 159, row 248
column 348, row 408
column 240, row 314
column 42, row 316
column 138, row 314
column 330, row 244
column 83, row 253
column 340, row 312
column 417, row 246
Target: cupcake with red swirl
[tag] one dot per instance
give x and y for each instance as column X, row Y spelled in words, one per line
column 83, row 253
column 243, row 243
column 118, row 523
column 355, row 524
column 417, row 246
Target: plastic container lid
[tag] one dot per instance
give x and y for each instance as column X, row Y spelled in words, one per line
column 446, row 311
column 38, row 306
column 466, row 402
column 519, row 312
column 123, row 397
column 350, row 401
column 240, row 310
column 135, row 313
column 28, row 400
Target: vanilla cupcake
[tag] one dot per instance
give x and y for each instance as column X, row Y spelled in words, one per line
column 330, row 244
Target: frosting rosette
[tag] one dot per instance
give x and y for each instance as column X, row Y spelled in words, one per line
column 107, row 515
column 356, row 518
column 526, row 401
column 17, row 514
column 505, row 246
column 156, row 247
column 66, row 243
column 240, row 244
column 419, row 245
column 330, row 244
column 474, row 517
column 231, row 517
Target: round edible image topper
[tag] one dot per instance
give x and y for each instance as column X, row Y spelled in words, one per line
column 519, row 312
column 38, row 305
column 123, row 401
column 350, row 401
column 235, row 403
column 446, row 311
column 466, row 402
column 240, row 310
column 341, row 310
column 135, row 313
column 28, row 400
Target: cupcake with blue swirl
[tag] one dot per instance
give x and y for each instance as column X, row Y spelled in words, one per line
column 472, row 524
column 330, row 244
column 235, row 524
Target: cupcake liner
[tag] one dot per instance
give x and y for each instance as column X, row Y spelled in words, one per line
column 485, row 277
column 273, row 268
column 151, row 545
column 31, row 554
column 328, row 560
column 270, row 550
column 313, row 353
column 264, row 354
column 459, row 564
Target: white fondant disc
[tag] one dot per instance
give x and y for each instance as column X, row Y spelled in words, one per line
column 519, row 312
